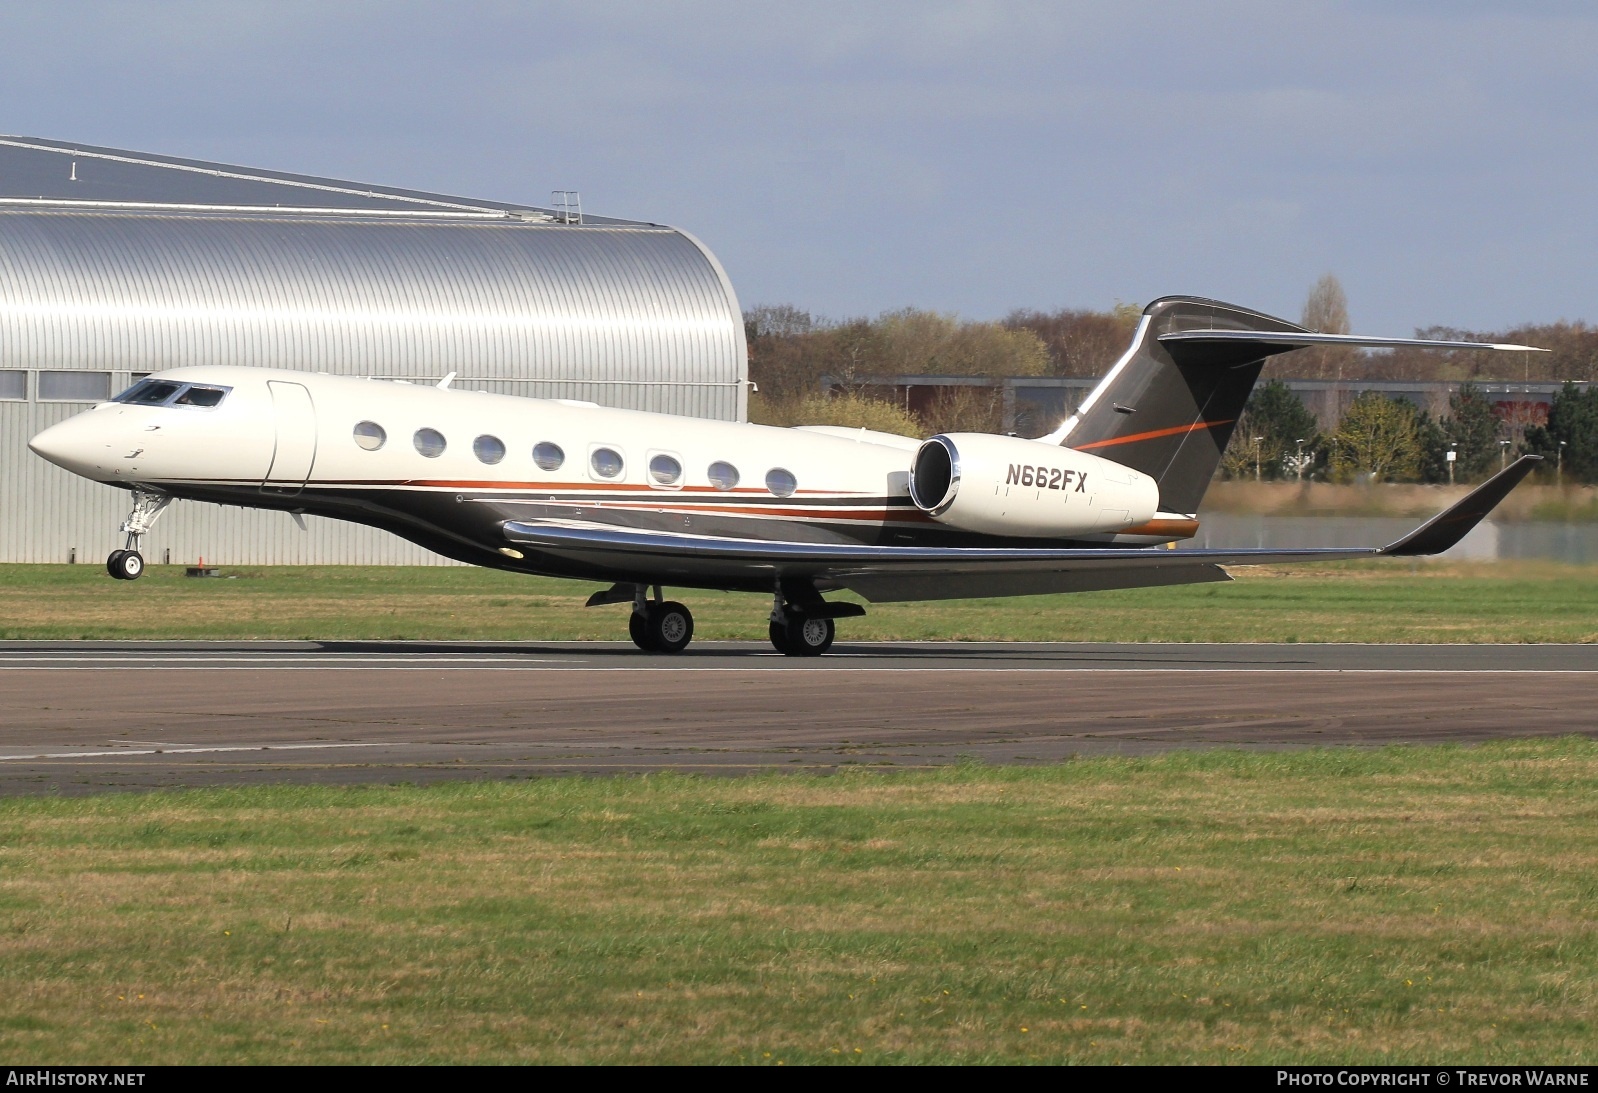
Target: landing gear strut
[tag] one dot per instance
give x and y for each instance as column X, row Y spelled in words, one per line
column 127, row 564
column 658, row 626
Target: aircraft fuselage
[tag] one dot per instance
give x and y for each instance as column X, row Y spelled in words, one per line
column 447, row 469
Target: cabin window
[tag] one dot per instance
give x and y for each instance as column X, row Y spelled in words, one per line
column 549, row 457
column 488, row 449
column 724, row 476
column 430, row 442
column 75, row 386
column 13, row 384
column 149, row 393
column 370, row 435
column 781, row 482
column 664, row 470
column 201, row 396
column 606, row 462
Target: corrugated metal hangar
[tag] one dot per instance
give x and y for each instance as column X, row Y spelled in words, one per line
column 114, row 264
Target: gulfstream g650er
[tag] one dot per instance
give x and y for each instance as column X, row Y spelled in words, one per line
column 640, row 500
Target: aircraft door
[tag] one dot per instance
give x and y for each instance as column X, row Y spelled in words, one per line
column 294, row 418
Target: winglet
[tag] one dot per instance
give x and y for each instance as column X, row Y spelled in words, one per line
column 1454, row 523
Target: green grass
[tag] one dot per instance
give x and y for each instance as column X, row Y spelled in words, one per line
column 1370, row 601
column 1403, row 904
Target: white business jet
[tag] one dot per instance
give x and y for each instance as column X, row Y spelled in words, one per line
column 641, row 500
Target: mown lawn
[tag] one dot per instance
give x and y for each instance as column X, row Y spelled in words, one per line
column 1369, row 601
column 1403, row 904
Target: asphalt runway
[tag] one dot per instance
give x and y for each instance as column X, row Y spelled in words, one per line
column 83, row 717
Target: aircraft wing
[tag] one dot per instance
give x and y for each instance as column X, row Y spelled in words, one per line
column 887, row 573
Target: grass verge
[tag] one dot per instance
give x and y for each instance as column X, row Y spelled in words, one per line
column 1402, row 904
column 1370, row 601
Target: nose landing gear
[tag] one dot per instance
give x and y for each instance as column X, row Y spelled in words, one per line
column 127, row 564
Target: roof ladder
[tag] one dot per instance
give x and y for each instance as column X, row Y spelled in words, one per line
column 568, row 206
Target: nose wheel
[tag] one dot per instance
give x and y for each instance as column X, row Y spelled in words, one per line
column 127, row 564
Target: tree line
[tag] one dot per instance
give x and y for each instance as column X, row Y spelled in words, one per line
column 1377, row 438
column 1386, row 439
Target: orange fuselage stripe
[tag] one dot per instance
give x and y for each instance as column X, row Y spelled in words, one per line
column 1154, row 434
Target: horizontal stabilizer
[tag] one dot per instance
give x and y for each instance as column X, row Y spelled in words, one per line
column 1454, row 523
column 1283, row 341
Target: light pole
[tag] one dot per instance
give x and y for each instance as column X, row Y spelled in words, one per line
column 1257, row 457
column 1559, row 466
column 1452, row 457
column 1503, row 454
column 1298, row 460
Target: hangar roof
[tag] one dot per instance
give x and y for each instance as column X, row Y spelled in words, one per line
column 121, row 263
column 34, row 170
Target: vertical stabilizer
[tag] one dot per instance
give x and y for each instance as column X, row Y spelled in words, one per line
column 1168, row 408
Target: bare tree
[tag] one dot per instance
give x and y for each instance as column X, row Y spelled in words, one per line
column 1326, row 309
column 781, row 320
column 1325, row 312
column 966, row 409
column 1080, row 343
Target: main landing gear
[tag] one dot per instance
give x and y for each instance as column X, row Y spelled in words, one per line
column 656, row 626
column 802, row 637
column 801, row 623
column 127, row 564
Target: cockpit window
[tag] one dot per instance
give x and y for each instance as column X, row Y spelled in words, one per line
column 154, row 392
column 200, row 396
column 149, row 392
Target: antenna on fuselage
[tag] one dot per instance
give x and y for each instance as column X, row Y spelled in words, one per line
column 444, row 383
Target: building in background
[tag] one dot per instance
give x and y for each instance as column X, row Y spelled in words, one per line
column 1033, row 405
column 115, row 264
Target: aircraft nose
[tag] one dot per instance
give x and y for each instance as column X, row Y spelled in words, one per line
column 70, row 444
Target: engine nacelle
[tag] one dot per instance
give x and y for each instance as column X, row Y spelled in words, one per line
column 1003, row 485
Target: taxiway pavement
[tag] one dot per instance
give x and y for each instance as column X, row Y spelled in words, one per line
column 81, row 717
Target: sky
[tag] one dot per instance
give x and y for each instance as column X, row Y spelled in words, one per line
column 848, row 158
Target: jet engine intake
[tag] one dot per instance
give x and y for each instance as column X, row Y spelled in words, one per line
column 1003, row 485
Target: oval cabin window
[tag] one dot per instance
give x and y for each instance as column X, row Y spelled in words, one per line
column 606, row 462
column 548, row 456
column 488, row 449
column 430, row 442
column 370, row 435
column 781, row 482
column 724, row 476
column 665, row 470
